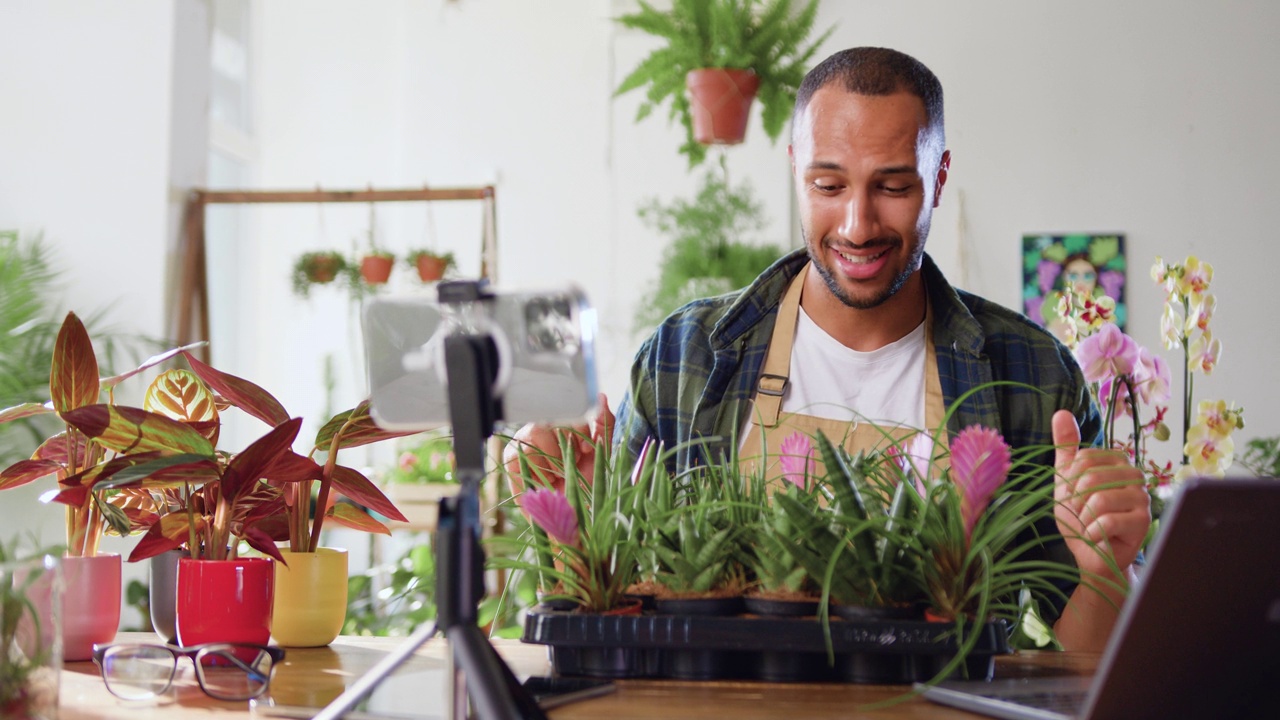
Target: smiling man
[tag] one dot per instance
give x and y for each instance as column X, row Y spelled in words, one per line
column 861, row 330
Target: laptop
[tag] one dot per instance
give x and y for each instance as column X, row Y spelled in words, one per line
column 1199, row 636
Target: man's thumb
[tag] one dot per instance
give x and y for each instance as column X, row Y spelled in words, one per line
column 1066, row 439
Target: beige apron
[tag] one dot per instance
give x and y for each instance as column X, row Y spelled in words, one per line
column 768, row 421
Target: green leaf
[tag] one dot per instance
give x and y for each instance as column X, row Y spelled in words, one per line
column 357, row 428
column 73, row 379
column 132, row 430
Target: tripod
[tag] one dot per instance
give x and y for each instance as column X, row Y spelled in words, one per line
column 471, row 364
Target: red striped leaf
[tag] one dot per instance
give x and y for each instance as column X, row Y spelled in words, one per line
column 26, row 471
column 263, row 543
column 75, row 496
column 73, row 379
column 349, row 515
column 25, row 410
column 132, row 430
column 55, row 449
column 247, row 467
column 358, row 488
column 241, row 393
column 169, row 533
column 357, row 428
column 292, row 467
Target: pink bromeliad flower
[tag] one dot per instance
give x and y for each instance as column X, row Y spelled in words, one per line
column 980, row 462
column 915, row 458
column 550, row 510
column 1107, row 354
column 797, row 459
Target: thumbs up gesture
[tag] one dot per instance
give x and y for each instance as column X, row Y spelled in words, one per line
column 1103, row 510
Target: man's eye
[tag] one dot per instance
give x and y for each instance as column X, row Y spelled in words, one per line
column 824, row 187
column 896, row 190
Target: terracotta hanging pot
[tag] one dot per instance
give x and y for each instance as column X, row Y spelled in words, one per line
column 720, row 99
column 225, row 600
column 431, row 268
column 376, row 269
column 310, row 597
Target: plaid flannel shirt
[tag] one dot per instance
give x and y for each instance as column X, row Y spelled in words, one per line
column 694, row 378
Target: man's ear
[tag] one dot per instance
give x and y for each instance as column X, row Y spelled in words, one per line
column 943, row 167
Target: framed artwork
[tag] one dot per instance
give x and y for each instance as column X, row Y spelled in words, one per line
column 1093, row 264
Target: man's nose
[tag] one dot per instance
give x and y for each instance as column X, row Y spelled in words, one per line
column 859, row 221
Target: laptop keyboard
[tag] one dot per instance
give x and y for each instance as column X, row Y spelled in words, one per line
column 1060, row 702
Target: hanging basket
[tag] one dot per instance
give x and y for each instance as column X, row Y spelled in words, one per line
column 720, row 99
column 376, row 269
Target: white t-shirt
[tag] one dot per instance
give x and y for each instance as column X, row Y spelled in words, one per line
column 829, row 380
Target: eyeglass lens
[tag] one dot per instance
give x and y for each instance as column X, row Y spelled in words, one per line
column 135, row 672
column 233, row 673
column 225, row 672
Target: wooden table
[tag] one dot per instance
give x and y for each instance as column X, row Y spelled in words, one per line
column 317, row 675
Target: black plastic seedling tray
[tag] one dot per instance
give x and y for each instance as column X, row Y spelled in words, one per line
column 758, row 648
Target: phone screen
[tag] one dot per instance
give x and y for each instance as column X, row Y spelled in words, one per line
column 545, row 345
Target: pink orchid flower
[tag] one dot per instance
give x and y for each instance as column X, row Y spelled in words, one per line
column 980, row 462
column 1107, row 353
column 797, row 459
column 550, row 510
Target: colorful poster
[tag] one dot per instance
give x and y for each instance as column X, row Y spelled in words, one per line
column 1092, row 264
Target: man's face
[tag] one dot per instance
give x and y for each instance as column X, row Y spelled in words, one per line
column 868, row 175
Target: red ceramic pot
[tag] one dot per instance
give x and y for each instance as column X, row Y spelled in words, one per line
column 225, row 600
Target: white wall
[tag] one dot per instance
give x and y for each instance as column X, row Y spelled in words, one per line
column 1150, row 118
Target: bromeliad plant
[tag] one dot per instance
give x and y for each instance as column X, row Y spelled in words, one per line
column 585, row 538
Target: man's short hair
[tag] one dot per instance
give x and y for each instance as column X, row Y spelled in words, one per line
column 876, row 71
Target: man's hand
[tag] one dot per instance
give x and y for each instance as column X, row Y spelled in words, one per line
column 541, row 446
column 1103, row 510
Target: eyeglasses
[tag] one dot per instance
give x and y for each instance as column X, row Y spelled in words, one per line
column 225, row 671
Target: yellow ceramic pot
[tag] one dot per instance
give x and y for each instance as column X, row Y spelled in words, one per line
column 311, row 598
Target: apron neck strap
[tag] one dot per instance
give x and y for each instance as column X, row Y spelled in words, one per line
column 777, row 360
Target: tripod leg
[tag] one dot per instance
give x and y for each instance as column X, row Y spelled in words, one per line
column 494, row 690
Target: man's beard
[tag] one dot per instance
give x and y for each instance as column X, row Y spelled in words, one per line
column 879, row 298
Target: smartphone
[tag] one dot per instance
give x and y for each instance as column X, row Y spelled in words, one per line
column 545, row 343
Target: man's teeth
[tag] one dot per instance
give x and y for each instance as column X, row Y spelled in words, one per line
column 860, row 259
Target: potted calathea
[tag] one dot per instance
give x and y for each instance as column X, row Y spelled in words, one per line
column 263, row 495
column 723, row 54
column 91, row 601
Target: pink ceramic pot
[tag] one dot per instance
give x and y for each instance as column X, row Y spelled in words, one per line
column 224, row 600
column 90, row 603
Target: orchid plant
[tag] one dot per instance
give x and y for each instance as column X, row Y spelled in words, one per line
column 1128, row 380
column 1207, row 447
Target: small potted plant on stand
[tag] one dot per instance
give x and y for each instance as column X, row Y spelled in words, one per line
column 30, row 641
column 724, row 53
column 316, row 268
column 430, row 264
